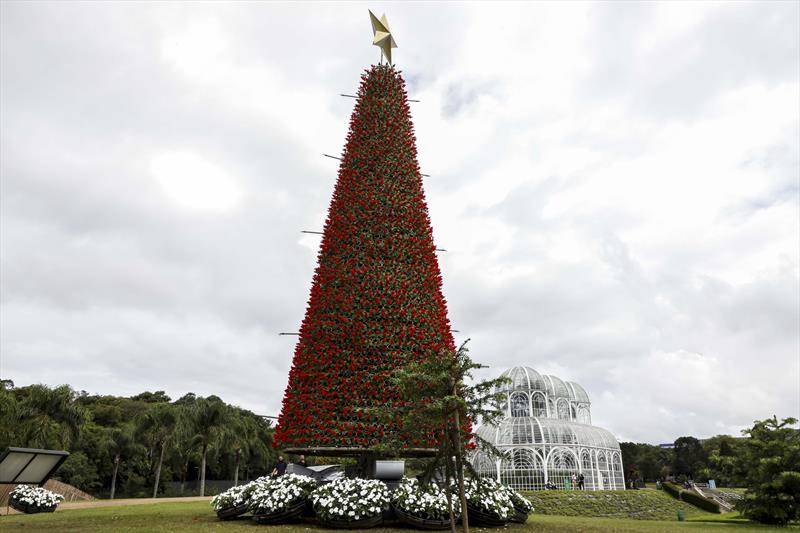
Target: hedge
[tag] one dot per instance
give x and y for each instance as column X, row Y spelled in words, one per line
column 700, row 501
column 691, row 497
column 672, row 489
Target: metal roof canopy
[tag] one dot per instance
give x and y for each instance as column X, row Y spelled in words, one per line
column 333, row 451
column 29, row 466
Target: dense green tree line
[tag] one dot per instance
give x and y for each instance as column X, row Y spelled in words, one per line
column 132, row 446
column 766, row 461
column 689, row 458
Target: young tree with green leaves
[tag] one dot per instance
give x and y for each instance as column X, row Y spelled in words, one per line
column 440, row 402
column 770, row 464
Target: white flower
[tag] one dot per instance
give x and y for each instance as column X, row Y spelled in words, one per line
column 278, row 494
column 428, row 503
column 351, row 498
column 35, row 496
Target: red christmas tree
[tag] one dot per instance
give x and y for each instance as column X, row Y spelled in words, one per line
column 376, row 298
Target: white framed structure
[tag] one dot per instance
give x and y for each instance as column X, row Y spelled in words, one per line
column 547, row 437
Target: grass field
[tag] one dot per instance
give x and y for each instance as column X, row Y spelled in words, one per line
column 641, row 504
column 198, row 516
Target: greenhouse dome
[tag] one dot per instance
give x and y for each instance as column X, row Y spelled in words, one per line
column 547, row 436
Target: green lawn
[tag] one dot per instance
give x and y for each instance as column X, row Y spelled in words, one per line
column 641, row 504
column 198, row 516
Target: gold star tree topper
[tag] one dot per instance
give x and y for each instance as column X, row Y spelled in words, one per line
column 382, row 36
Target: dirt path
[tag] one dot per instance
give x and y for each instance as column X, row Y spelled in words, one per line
column 66, row 506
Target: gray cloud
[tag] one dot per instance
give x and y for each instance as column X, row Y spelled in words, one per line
column 617, row 186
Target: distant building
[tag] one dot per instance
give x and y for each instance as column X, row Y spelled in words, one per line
column 547, row 436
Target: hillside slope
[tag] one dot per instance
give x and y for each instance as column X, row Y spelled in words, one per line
column 642, row 504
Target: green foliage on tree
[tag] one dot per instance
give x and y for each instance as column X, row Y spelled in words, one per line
column 208, row 418
column 159, row 424
column 50, row 418
column 80, row 472
column 715, row 461
column 122, row 446
column 722, row 453
column 134, row 445
column 689, row 457
column 440, row 401
column 644, row 461
column 770, row 465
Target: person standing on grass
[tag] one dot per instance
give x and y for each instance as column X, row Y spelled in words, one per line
column 574, row 481
column 580, row 481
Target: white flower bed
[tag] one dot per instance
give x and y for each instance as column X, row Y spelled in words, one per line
column 234, row 496
column 489, row 496
column 429, row 503
column 279, row 494
column 350, row 499
column 521, row 503
column 38, row 497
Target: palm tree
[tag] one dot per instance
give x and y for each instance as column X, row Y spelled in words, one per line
column 120, row 444
column 9, row 422
column 210, row 417
column 52, row 416
column 183, row 445
column 160, row 422
column 248, row 436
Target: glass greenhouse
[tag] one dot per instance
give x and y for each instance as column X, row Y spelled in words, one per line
column 547, row 437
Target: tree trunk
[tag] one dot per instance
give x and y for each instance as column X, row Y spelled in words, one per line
column 203, row 471
column 158, row 469
column 184, row 474
column 114, row 476
column 236, row 470
column 458, row 445
column 448, row 492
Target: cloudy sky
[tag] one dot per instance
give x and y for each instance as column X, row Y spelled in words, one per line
column 617, row 186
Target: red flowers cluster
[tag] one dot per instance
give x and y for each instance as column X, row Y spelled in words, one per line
column 376, row 298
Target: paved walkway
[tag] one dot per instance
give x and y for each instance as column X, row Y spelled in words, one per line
column 120, row 502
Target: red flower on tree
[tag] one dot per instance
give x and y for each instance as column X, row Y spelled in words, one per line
column 376, row 297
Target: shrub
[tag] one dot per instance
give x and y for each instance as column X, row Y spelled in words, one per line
column 489, row 496
column 700, row 501
column 234, row 496
column 350, row 499
column 429, row 502
column 672, row 489
column 691, row 497
column 280, row 494
column 521, row 503
column 33, row 499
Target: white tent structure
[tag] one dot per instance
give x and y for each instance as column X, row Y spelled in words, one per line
column 547, row 436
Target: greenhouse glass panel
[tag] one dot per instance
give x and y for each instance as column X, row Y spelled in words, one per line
column 547, row 436
column 563, row 409
column 519, row 404
column 539, row 404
